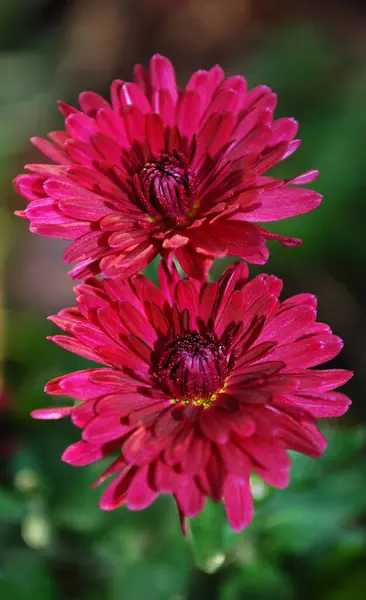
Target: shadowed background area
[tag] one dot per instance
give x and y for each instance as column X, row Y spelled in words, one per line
column 55, row 544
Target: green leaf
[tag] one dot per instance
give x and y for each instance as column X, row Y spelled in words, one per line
column 257, row 581
column 24, row 576
column 352, row 587
column 302, row 519
column 206, row 536
column 12, row 507
column 151, row 579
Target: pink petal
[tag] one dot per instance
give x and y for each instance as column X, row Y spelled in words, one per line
column 116, row 466
column 77, row 385
column 140, row 494
column 308, row 352
column 235, row 460
column 85, row 247
column 189, row 497
column 128, row 263
column 165, row 478
column 50, row 150
column 207, row 300
column 116, row 493
column 124, row 402
column 30, row 186
column 289, row 325
column 104, row 429
column 82, row 454
column 282, row 203
column 238, row 502
column 241, row 239
column 155, row 133
column 162, row 75
column 212, row 426
column 187, row 298
column 162, row 104
column 132, row 95
column 194, row 264
column 197, row 456
column 211, row 480
column 321, row 406
column 90, row 103
column 142, row 447
column 322, row 380
column 81, row 127
column 134, row 121
column 188, row 113
column 66, row 109
column 283, row 130
column 52, row 413
column 136, row 322
column 76, row 347
column 304, row 178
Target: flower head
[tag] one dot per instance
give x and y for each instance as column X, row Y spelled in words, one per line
column 161, row 170
column 201, row 384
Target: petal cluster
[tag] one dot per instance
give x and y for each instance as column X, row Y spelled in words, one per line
column 161, row 170
column 195, row 417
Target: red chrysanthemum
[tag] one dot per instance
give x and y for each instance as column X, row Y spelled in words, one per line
column 163, row 170
column 202, row 384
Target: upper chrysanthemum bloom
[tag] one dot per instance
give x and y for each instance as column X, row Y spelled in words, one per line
column 163, row 170
column 201, row 385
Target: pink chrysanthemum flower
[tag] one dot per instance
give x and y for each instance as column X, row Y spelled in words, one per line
column 201, row 385
column 162, row 170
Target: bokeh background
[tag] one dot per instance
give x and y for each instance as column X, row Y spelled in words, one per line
column 308, row 540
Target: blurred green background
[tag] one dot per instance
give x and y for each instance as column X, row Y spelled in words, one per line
column 308, row 540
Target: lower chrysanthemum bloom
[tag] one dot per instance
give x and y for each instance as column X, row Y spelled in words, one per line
column 201, row 385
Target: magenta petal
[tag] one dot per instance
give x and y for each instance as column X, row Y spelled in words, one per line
column 142, row 447
column 308, row 352
column 278, row 478
column 189, row 497
column 104, row 429
column 52, row 413
column 129, row 264
column 321, row 405
column 194, row 264
column 73, row 345
column 90, row 103
column 140, row 494
column 282, row 203
column 132, row 95
column 82, row 453
column 212, row 426
column 322, row 379
column 235, row 460
column 197, row 456
column 238, row 502
column 165, row 478
column 162, row 75
column 116, row 493
column 117, row 466
column 241, row 239
column 30, row 186
column 289, row 325
column 77, row 385
column 188, row 114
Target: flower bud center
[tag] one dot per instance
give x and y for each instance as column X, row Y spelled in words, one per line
column 193, row 367
column 166, row 187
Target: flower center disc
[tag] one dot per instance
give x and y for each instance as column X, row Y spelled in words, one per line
column 166, row 187
column 193, row 367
